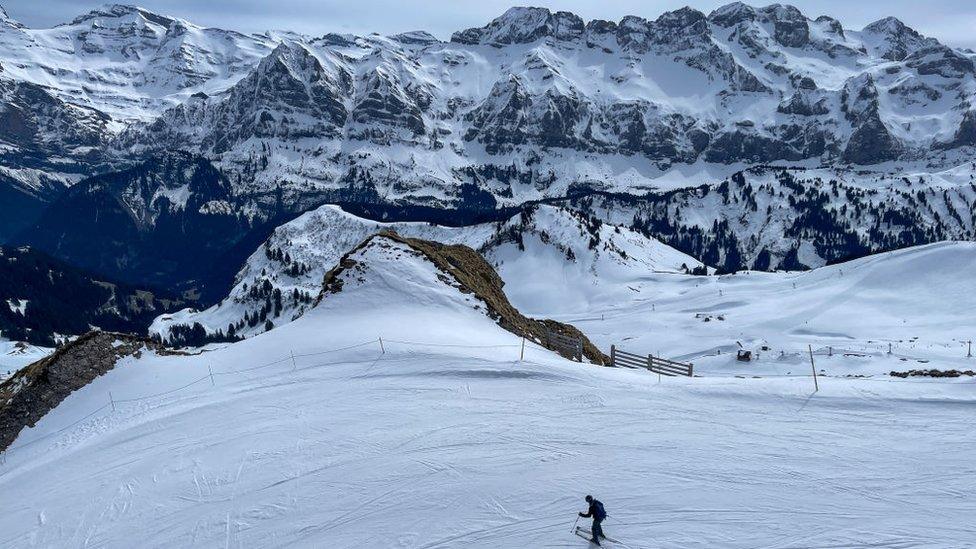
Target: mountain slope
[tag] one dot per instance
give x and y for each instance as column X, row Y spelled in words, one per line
column 45, row 145
column 560, row 102
column 577, row 256
column 893, row 311
column 167, row 221
column 43, row 300
column 534, row 106
column 126, row 61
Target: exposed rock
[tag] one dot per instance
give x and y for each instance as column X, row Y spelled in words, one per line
column 37, row 389
column 933, row 373
column 966, row 134
column 790, row 27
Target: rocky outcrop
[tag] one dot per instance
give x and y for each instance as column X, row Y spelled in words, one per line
column 470, row 273
column 37, row 389
column 522, row 25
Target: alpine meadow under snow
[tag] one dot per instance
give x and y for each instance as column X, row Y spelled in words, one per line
column 282, row 290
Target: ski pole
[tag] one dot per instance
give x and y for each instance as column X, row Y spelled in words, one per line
column 573, row 531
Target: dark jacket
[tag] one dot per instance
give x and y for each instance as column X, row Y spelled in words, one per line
column 596, row 511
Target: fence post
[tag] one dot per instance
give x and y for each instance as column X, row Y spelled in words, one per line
column 382, row 349
column 209, row 369
column 816, row 385
column 613, row 356
column 293, row 366
column 112, row 400
column 522, row 352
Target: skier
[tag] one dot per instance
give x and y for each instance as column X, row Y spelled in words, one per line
column 598, row 513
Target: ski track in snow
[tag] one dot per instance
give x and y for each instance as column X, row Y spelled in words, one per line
column 404, row 454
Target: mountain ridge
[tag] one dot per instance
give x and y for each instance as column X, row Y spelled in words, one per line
column 539, row 106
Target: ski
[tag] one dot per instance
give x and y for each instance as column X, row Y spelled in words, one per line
column 587, row 535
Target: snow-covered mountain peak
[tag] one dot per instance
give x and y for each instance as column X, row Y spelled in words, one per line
column 7, row 21
column 732, row 14
column 110, row 14
column 295, row 58
column 128, row 62
column 893, row 40
column 416, row 38
column 519, row 25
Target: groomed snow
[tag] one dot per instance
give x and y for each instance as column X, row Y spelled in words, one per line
column 437, row 445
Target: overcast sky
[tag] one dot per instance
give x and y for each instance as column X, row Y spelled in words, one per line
column 952, row 21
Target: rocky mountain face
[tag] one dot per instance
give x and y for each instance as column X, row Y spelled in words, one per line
column 739, row 85
column 45, row 145
column 772, row 218
column 65, row 91
column 128, row 62
column 171, row 220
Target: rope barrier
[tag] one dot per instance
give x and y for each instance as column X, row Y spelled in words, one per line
column 164, row 393
column 459, row 345
column 363, row 344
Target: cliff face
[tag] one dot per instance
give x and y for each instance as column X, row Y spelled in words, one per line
column 467, row 271
column 36, row 389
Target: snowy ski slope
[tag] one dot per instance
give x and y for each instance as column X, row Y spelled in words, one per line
column 917, row 300
column 448, row 440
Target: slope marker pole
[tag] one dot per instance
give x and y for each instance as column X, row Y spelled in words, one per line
column 813, row 367
column 382, row 349
column 522, row 353
column 293, row 367
column 112, row 400
column 969, row 353
column 209, row 369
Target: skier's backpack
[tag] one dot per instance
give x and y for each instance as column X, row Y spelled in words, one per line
column 599, row 512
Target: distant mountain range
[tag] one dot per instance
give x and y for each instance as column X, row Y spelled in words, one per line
column 161, row 153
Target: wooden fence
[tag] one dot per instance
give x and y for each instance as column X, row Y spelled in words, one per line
column 658, row 365
column 567, row 346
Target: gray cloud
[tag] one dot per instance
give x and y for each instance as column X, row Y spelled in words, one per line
column 952, row 21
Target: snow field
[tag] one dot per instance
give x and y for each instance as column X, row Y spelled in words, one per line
column 461, row 447
column 917, row 300
column 447, row 440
